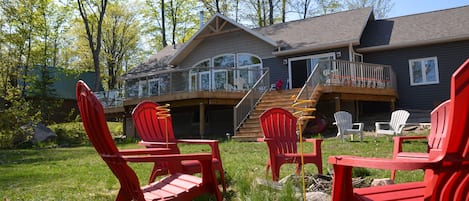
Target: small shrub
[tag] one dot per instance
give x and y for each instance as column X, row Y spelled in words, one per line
column 360, row 172
column 17, row 113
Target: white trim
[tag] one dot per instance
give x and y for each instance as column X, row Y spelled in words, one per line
column 424, row 82
column 330, row 54
column 315, row 48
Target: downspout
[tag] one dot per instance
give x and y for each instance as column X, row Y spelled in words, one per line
column 350, row 52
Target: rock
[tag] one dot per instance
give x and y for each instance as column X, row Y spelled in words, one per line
column 381, row 182
column 317, row 196
column 42, row 133
column 271, row 184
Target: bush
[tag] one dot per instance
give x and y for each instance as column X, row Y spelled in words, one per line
column 73, row 133
column 17, row 113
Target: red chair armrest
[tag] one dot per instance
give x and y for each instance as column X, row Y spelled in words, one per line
column 169, row 157
column 398, row 140
column 156, row 144
column 174, row 161
column 129, row 152
column 379, row 163
column 313, row 140
column 197, row 141
column 212, row 143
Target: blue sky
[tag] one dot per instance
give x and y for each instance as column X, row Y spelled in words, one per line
column 408, row 7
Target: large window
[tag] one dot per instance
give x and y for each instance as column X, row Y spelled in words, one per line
column 250, row 70
column 423, row 71
column 230, row 71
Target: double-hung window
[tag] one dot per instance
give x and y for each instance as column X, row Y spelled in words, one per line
column 423, row 71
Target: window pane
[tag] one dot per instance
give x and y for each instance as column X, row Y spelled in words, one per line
column 246, row 59
column 154, row 86
column 205, row 63
column 224, row 61
column 430, row 70
column 417, row 71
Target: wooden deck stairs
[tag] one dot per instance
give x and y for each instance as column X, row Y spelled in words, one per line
column 251, row 129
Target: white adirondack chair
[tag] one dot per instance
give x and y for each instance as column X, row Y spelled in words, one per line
column 345, row 125
column 395, row 126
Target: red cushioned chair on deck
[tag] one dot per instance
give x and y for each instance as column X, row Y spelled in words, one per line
column 176, row 186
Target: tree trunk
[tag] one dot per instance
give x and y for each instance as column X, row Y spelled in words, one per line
column 163, row 27
column 271, row 12
column 284, row 3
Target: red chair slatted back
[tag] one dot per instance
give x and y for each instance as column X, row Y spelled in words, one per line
column 450, row 181
column 149, row 127
column 279, row 124
column 439, row 119
column 94, row 122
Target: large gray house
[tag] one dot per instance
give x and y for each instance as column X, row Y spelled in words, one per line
column 362, row 64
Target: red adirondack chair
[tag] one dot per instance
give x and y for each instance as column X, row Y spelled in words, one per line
column 446, row 169
column 439, row 122
column 176, row 186
column 279, row 129
column 158, row 132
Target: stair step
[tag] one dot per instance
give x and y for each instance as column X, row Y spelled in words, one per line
column 251, row 129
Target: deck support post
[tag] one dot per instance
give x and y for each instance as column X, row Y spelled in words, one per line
column 337, row 104
column 202, row 120
column 393, row 105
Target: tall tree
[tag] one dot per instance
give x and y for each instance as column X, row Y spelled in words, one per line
column 120, row 37
column 218, row 6
column 92, row 21
column 381, row 8
column 284, row 10
column 271, row 12
column 301, row 7
column 163, row 25
column 327, row 6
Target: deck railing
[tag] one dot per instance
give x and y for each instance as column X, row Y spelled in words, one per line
column 356, row 74
column 244, row 108
column 346, row 73
column 111, row 98
column 184, row 80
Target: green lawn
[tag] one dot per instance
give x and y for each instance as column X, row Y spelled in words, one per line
column 79, row 174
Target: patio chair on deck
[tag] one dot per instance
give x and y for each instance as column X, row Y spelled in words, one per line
column 279, row 129
column 176, row 186
column 395, row 125
column 157, row 132
column 344, row 123
column 446, row 169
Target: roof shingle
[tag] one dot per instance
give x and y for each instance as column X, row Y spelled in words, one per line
column 424, row 28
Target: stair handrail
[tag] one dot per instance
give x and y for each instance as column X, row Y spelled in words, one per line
column 314, row 79
column 246, row 105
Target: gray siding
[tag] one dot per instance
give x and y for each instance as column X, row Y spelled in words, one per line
column 231, row 43
column 278, row 70
column 450, row 56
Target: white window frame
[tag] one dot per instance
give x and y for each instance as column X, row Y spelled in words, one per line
column 424, row 81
